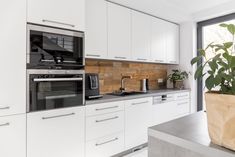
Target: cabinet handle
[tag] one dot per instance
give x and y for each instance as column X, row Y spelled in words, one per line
column 90, row 55
column 5, row 108
column 120, row 57
column 183, row 103
column 144, row 102
column 141, row 59
column 56, row 22
column 159, row 61
column 106, row 108
column 99, row 144
column 64, row 115
column 103, row 120
column 6, row 124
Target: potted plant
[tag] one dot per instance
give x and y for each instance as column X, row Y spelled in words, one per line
column 220, row 103
column 177, row 77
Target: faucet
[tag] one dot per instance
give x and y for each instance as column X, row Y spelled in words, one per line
column 122, row 88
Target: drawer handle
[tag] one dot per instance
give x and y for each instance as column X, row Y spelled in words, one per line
column 141, row 59
column 179, row 104
column 144, row 102
column 120, row 57
column 106, row 108
column 6, row 124
column 90, row 55
column 5, row 108
column 103, row 120
column 159, row 61
column 99, row 144
column 56, row 22
column 64, row 115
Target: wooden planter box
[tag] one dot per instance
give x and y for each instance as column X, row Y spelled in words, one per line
column 221, row 119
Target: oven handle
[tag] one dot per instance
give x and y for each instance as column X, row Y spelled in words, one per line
column 56, row 79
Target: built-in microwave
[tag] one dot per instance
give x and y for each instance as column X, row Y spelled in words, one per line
column 54, row 48
column 53, row 89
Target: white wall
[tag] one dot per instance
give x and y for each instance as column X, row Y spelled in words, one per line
column 188, row 50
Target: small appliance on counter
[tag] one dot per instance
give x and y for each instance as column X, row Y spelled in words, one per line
column 92, row 89
column 144, row 85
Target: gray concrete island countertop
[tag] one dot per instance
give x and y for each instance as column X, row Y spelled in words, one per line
column 112, row 98
column 184, row 137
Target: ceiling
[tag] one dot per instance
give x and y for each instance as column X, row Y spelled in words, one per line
column 174, row 10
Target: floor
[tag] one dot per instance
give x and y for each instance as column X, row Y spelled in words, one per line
column 140, row 153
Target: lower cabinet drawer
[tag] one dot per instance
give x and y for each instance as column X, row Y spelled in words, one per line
column 107, row 124
column 183, row 107
column 105, row 146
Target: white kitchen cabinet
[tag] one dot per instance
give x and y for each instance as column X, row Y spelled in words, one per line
column 13, row 57
column 141, row 36
column 13, row 136
column 58, row 133
column 103, row 125
column 163, row 109
column 158, row 40
column 96, row 29
column 105, row 146
column 172, row 43
column 69, row 14
column 137, row 120
column 119, row 32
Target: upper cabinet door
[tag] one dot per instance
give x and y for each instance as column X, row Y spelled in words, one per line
column 119, row 32
column 141, row 36
column 172, row 43
column 13, row 57
column 158, row 40
column 96, row 29
column 69, row 14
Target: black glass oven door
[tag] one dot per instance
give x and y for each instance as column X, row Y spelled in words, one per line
column 55, row 91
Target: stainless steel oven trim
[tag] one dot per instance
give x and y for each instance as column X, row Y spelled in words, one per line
column 48, row 29
column 65, row 72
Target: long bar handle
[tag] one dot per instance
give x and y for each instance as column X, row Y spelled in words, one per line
column 57, row 22
column 5, row 108
column 98, row 144
column 58, row 116
column 56, row 79
column 144, row 102
column 5, row 124
column 106, row 108
column 103, row 120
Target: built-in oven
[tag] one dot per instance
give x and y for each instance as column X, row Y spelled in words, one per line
column 54, row 48
column 52, row 89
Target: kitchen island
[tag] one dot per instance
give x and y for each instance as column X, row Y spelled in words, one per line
column 184, row 137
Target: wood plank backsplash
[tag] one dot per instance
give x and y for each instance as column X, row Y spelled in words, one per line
column 110, row 73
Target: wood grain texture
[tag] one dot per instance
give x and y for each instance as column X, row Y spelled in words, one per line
column 110, row 73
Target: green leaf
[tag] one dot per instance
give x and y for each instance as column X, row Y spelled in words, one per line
column 223, row 25
column 202, row 52
column 231, row 29
column 217, row 80
column 232, row 64
column 195, row 60
column 213, row 65
column 228, row 44
column 210, row 82
column 198, row 72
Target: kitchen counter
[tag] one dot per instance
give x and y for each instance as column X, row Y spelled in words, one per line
column 112, row 98
column 184, row 137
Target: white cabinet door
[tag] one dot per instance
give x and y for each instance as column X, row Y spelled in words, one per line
column 13, row 55
column 106, row 146
column 119, row 32
column 163, row 112
column 158, row 40
column 141, row 36
column 137, row 121
column 13, row 136
column 96, row 29
column 68, row 14
column 172, row 43
column 57, row 133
